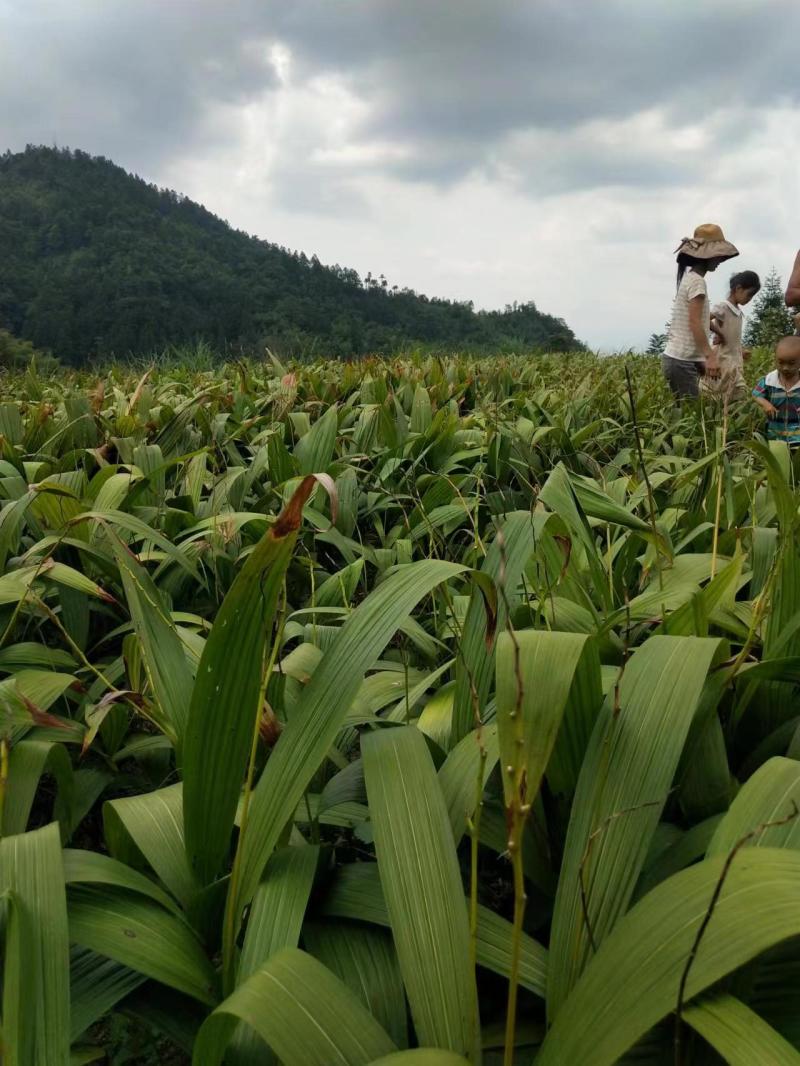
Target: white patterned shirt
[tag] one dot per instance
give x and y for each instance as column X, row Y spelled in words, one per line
column 680, row 342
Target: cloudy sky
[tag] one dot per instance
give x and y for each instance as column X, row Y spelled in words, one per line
column 492, row 150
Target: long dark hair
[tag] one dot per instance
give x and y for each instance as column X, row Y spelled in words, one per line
column 684, row 262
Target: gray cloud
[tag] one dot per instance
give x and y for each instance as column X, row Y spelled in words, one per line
column 453, row 81
column 473, row 148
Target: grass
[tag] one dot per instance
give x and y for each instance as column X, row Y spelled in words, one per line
column 559, row 612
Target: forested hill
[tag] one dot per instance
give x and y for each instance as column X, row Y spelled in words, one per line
column 96, row 262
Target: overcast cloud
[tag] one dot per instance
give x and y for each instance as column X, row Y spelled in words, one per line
column 493, row 151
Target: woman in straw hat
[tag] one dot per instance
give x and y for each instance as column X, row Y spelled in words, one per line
column 688, row 353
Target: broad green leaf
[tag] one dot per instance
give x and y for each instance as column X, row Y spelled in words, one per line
column 632, row 982
column 279, row 905
column 458, row 775
column 738, row 1033
column 689, row 847
column 508, row 553
column 772, row 794
column 162, row 651
column 96, row 985
column 274, row 922
column 322, row 706
column 92, row 867
column 314, row 450
column 356, row 893
column 422, row 886
column 364, row 958
column 536, row 675
column 138, row 933
column 623, row 786
column 153, row 823
column 304, row 1013
column 27, row 761
column 36, row 964
column 225, row 705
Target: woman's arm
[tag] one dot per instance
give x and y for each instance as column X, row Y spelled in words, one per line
column 792, row 295
column 700, row 335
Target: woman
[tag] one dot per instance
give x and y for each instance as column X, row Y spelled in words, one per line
column 688, row 353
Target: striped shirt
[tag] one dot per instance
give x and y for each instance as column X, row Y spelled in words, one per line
column 680, row 340
column 786, row 424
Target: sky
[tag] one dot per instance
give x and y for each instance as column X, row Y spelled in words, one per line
column 485, row 150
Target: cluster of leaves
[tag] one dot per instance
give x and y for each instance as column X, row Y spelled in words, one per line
column 98, row 263
column 418, row 712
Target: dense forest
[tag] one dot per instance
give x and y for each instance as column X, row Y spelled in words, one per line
column 98, row 263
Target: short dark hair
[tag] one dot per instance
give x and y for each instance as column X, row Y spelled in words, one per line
column 745, row 279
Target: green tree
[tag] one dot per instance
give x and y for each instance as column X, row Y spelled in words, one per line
column 657, row 342
column 770, row 318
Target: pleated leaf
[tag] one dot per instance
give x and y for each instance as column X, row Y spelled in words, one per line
column 531, row 704
column 138, row 933
column 225, row 698
column 507, row 555
column 739, row 1034
column 772, row 794
column 161, row 647
column 632, row 982
column 364, row 958
column 96, row 985
column 422, row 886
column 152, row 824
column 302, row 1011
column 458, row 775
column 356, row 893
column 623, row 786
column 275, row 920
column 36, row 965
column 27, row 761
column 319, row 712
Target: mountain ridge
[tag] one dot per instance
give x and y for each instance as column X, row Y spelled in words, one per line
column 99, row 263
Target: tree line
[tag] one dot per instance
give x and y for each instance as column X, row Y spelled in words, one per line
column 98, row 263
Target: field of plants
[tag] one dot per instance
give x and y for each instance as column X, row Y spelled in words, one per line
column 416, row 712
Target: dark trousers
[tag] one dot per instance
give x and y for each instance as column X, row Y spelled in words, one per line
column 683, row 375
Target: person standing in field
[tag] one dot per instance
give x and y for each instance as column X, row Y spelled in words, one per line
column 688, row 353
column 727, row 319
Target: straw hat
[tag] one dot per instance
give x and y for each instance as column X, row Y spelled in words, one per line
column 708, row 242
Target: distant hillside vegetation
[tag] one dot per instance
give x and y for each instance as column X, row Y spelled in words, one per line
column 96, row 262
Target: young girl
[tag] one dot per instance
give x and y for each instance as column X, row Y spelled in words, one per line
column 688, row 353
column 726, row 323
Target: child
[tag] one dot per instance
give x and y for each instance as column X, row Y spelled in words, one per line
column 726, row 323
column 778, row 394
column 688, row 354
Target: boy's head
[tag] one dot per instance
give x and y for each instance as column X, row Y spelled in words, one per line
column 744, row 286
column 787, row 357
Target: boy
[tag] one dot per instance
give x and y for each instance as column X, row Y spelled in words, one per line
column 778, row 394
